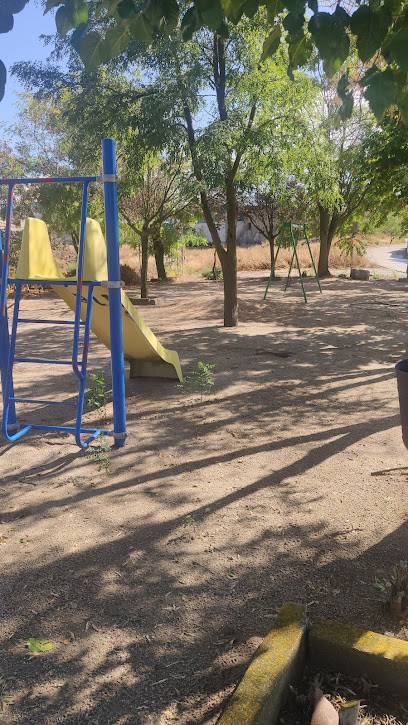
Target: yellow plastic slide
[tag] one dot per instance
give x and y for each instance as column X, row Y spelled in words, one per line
column 147, row 357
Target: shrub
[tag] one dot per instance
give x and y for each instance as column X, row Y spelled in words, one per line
column 129, row 275
column 212, row 273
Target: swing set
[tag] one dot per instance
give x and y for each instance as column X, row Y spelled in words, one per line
column 11, row 428
column 290, row 236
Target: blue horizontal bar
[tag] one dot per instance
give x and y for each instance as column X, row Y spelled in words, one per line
column 64, row 427
column 52, row 282
column 49, row 322
column 49, row 180
column 40, row 360
column 42, row 402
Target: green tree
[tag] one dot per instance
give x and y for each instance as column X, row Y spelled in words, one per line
column 161, row 192
column 104, row 29
column 40, row 141
column 221, row 100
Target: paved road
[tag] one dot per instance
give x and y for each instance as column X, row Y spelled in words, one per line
column 390, row 256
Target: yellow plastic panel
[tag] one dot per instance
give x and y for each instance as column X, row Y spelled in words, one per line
column 147, row 356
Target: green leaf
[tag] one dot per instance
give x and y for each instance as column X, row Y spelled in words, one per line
column 232, row 9
column 78, row 34
column 402, row 102
column 250, row 8
column 396, row 48
column 39, row 645
column 381, row 89
column 126, row 9
column 190, row 23
column 313, row 5
column 346, row 96
column 80, row 14
column 116, row 41
column 12, row 6
column 293, row 22
column 92, row 50
column 273, row 9
column 300, row 49
column 370, row 27
column 64, row 21
column 272, row 43
column 141, row 29
column 6, row 23
column 210, row 12
column 171, row 16
column 330, row 36
column 50, row 4
column 3, row 78
column 379, row 586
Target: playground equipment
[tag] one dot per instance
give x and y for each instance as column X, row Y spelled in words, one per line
column 290, row 236
column 112, row 318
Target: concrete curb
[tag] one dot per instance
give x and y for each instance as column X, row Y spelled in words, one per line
column 330, row 645
column 354, row 651
column 277, row 662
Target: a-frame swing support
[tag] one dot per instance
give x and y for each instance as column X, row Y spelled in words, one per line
column 12, row 429
column 293, row 234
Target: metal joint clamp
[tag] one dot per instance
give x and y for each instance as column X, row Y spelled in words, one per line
column 103, row 178
column 118, row 436
column 112, row 284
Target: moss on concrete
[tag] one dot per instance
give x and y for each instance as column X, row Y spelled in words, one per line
column 354, row 651
column 277, row 662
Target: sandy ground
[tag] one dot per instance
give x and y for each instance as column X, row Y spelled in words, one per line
column 156, row 580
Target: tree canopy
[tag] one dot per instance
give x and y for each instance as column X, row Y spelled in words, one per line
column 102, row 30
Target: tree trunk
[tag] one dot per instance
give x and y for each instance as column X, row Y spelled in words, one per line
column 229, row 273
column 323, row 265
column 229, row 260
column 271, row 241
column 159, row 257
column 75, row 241
column 145, row 260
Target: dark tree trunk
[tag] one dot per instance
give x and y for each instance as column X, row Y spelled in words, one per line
column 324, row 223
column 229, row 273
column 159, row 257
column 229, row 263
column 75, row 241
column 272, row 248
column 328, row 226
column 145, row 260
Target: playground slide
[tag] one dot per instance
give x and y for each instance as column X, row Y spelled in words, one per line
column 147, row 357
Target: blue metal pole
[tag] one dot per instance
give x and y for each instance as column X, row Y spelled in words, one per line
column 115, row 306
column 4, row 328
column 80, row 269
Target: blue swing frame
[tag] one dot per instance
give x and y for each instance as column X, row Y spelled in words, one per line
column 11, row 429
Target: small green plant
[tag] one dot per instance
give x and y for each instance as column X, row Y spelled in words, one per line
column 394, row 591
column 39, row 645
column 71, row 270
column 97, row 396
column 200, row 381
column 99, row 453
column 5, row 697
column 212, row 273
column 375, row 275
column 350, row 245
column 189, row 520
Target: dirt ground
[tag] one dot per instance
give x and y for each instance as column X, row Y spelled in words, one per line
column 156, row 580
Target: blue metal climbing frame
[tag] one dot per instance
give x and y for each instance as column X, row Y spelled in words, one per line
column 11, row 428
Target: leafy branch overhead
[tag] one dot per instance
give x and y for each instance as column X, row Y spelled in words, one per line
column 102, row 30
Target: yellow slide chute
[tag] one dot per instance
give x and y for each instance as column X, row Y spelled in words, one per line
column 147, row 357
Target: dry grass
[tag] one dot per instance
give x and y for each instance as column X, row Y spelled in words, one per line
column 249, row 259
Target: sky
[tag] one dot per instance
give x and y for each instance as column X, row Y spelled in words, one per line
column 23, row 43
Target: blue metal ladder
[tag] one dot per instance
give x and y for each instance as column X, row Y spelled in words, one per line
column 10, row 428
